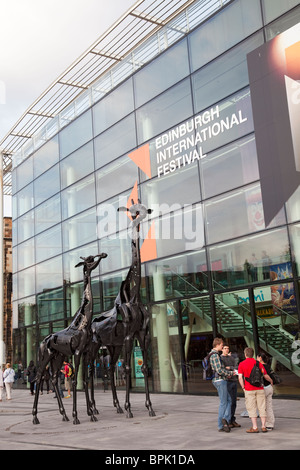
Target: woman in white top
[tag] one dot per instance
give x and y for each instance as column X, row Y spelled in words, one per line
column 9, row 378
column 1, row 383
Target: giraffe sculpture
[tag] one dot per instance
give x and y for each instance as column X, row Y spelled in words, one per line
column 127, row 320
column 72, row 341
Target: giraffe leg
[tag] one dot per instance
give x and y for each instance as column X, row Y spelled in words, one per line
column 56, row 365
column 44, row 360
column 128, row 349
column 77, row 357
column 144, row 340
column 114, row 355
column 90, row 410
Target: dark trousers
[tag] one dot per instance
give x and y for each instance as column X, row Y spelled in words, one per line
column 232, row 390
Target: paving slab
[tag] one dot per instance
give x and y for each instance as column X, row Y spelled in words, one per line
column 183, row 423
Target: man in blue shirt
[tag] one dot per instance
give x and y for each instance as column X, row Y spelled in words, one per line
column 220, row 383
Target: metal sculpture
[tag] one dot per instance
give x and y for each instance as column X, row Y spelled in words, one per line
column 128, row 319
column 72, row 341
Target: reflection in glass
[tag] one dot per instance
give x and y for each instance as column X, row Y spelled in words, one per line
column 45, row 157
column 48, row 244
column 75, row 134
column 49, row 274
column 79, row 230
column 224, row 75
column 51, row 305
column 278, row 327
column 248, row 260
column 237, row 213
column 231, row 166
column 162, row 73
column 179, row 276
column 116, row 141
column 72, row 258
column 115, row 178
column 46, row 185
column 163, row 112
column 77, row 165
column 217, row 35
column 295, row 245
column 113, row 107
column 47, row 214
column 78, row 197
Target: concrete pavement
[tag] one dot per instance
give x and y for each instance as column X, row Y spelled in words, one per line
column 182, row 423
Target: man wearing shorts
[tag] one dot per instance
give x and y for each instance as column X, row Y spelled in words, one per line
column 254, row 396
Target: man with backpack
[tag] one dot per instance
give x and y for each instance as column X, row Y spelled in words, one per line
column 251, row 373
column 219, row 380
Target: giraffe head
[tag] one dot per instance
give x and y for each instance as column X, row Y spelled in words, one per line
column 138, row 212
column 90, row 262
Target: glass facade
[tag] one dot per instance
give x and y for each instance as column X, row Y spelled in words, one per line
column 217, row 267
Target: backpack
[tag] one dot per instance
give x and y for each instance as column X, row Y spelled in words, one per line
column 256, row 377
column 70, row 370
column 208, row 373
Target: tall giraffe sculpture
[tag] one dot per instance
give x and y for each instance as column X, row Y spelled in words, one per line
column 72, row 341
column 127, row 320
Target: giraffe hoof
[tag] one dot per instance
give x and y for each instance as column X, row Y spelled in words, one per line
column 65, row 418
column 152, row 413
column 76, row 421
column 35, row 420
column 93, row 418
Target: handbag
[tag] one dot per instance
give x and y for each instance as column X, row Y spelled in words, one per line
column 275, row 377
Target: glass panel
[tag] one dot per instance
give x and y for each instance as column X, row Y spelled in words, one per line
column 25, row 226
column 50, row 305
column 179, row 276
column 77, row 165
column 197, row 341
column 177, row 232
column 72, row 258
column 274, row 8
column 224, row 75
column 25, row 254
column 75, row 134
column 26, row 282
column 115, row 178
column 236, row 214
column 118, row 248
column 78, row 197
column 116, row 141
column 282, row 24
column 295, row 245
column 49, row 274
column 45, row 157
column 110, row 287
column 165, row 111
column 25, row 199
column 24, row 173
column 48, row 244
column 166, row 348
column 231, row 166
column 113, row 107
column 278, row 326
column 27, row 312
column 47, row 214
column 233, row 314
column 293, row 206
column 217, row 35
column 79, row 230
column 166, row 70
column 249, row 259
column 166, row 191
column 46, row 185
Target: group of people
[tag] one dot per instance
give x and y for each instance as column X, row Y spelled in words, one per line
column 7, row 379
column 227, row 374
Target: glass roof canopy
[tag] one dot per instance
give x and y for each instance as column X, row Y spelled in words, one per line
column 144, row 31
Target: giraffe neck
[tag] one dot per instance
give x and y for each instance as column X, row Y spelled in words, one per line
column 132, row 282
column 84, row 314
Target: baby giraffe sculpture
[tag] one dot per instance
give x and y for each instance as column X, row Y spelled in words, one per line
column 72, row 341
column 127, row 320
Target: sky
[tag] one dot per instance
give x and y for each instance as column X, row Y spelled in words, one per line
column 39, row 40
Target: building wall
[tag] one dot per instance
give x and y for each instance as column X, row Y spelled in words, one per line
column 7, row 284
column 179, row 133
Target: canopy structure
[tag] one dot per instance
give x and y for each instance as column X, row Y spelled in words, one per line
column 114, row 49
